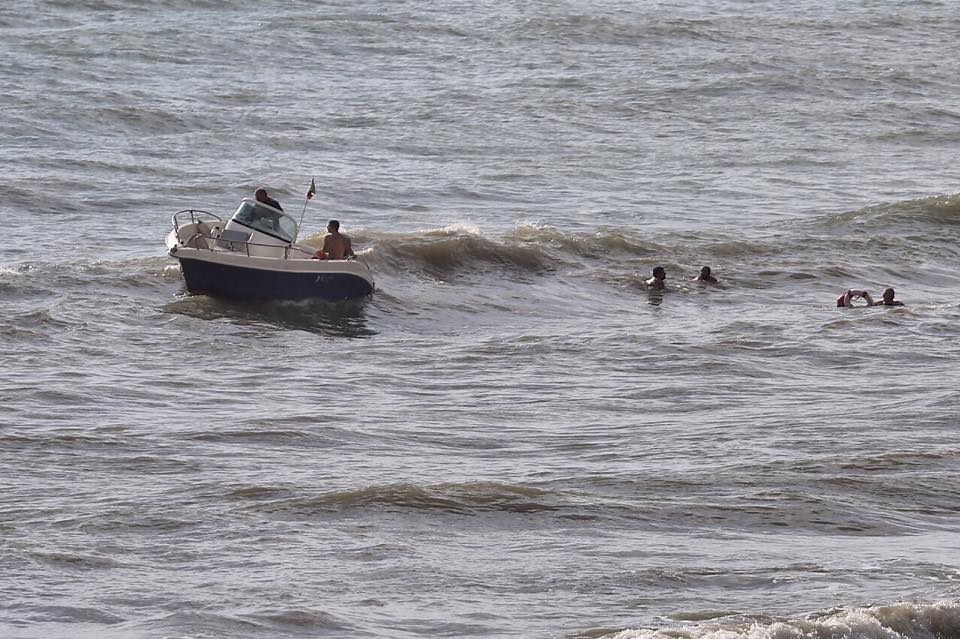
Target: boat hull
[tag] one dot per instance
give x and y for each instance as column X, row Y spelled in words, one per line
column 220, row 279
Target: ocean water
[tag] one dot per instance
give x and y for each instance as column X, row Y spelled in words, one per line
column 512, row 437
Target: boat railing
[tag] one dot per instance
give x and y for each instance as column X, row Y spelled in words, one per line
column 197, row 219
column 228, row 243
column 196, row 216
column 216, row 235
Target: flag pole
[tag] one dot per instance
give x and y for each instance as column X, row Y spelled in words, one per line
column 310, row 193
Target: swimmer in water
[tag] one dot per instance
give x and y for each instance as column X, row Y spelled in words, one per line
column 657, row 282
column 705, row 276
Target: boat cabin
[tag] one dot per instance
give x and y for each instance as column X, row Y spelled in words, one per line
column 259, row 230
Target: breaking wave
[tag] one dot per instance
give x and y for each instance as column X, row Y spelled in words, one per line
column 880, row 243
column 898, row 621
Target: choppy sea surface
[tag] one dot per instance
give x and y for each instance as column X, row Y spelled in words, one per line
column 512, row 437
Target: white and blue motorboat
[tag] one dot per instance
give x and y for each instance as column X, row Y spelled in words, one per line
column 255, row 255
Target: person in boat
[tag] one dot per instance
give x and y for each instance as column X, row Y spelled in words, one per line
column 336, row 245
column 263, row 198
column 887, row 299
column 846, row 298
column 705, row 276
column 657, row 282
column 266, row 217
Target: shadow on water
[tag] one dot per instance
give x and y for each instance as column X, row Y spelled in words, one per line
column 335, row 319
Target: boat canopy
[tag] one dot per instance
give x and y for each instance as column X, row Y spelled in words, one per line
column 266, row 219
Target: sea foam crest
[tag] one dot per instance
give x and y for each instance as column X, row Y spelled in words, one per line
column 931, row 212
column 898, row 621
column 453, row 230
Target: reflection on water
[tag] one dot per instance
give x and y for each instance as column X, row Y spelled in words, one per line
column 335, row 319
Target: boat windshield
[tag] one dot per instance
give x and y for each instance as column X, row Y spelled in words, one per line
column 266, row 219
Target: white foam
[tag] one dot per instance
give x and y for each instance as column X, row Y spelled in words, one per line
column 898, row 621
column 460, row 228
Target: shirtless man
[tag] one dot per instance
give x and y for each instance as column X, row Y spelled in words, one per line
column 336, row 245
column 888, row 299
column 657, row 281
column 705, row 276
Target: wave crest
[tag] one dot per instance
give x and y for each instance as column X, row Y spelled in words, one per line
column 446, row 252
column 898, row 621
column 468, row 498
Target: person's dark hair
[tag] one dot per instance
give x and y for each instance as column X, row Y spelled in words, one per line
column 335, row 224
column 659, row 269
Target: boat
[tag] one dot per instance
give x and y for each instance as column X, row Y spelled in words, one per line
column 255, row 255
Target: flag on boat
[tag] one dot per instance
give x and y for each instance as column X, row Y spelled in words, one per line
column 312, row 190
